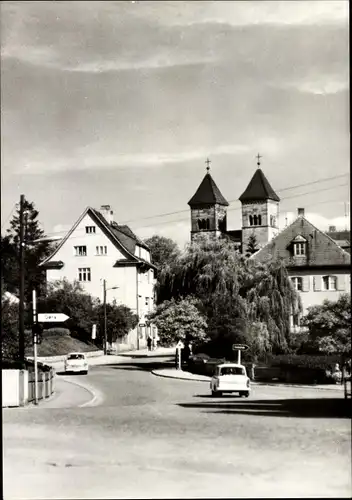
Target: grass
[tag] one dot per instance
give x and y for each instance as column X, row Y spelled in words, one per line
column 60, row 345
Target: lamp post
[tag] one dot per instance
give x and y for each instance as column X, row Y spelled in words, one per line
column 105, row 318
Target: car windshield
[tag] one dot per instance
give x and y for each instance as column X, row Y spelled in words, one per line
column 232, row 370
column 75, row 356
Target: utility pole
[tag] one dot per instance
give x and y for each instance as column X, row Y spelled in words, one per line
column 105, row 321
column 35, row 343
column 21, row 303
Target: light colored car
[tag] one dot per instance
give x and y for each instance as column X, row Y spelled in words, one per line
column 76, row 362
column 230, row 377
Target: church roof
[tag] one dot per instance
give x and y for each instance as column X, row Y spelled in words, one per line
column 208, row 193
column 259, row 189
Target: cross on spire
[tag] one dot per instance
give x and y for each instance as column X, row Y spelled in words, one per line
column 207, row 161
column 258, row 159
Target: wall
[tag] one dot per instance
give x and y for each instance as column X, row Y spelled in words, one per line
column 18, row 386
column 265, row 232
column 311, row 296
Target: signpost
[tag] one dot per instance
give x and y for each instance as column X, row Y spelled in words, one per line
column 179, row 347
column 35, row 342
column 239, row 348
column 94, row 332
column 52, row 317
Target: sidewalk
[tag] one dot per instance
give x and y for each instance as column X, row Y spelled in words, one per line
column 183, row 375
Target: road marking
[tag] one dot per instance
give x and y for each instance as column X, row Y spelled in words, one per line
column 89, row 389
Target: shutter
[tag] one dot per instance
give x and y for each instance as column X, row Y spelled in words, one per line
column 341, row 282
column 317, row 283
column 305, row 283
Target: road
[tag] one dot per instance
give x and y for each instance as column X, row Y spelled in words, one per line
column 135, row 435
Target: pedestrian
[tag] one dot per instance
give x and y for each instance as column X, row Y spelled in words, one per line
column 154, row 343
column 149, row 343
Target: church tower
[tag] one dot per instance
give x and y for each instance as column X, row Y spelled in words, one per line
column 208, row 209
column 260, row 210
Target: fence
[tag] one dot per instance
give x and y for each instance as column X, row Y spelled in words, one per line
column 18, row 384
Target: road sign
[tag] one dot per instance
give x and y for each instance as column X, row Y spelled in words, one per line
column 94, row 332
column 180, row 345
column 239, row 347
column 52, row 317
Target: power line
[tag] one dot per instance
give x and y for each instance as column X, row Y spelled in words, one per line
column 8, row 217
column 56, row 233
column 236, row 200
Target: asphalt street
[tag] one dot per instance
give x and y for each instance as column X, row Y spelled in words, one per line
column 125, row 433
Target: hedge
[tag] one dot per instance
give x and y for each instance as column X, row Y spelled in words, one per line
column 303, row 361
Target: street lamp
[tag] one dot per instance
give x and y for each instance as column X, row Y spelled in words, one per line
column 105, row 319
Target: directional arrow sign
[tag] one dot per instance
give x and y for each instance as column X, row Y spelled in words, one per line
column 239, row 347
column 52, row 317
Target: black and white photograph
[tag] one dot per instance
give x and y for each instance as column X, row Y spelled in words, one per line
column 175, row 249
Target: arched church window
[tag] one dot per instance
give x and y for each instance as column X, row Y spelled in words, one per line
column 200, row 224
column 207, row 224
column 255, row 220
column 259, row 220
column 251, row 220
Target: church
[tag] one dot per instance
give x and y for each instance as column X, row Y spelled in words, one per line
column 317, row 262
column 260, row 211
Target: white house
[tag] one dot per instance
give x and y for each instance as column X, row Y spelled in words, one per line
column 95, row 249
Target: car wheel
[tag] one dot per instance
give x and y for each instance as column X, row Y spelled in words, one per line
column 246, row 394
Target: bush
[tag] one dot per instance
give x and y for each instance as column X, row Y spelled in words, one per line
column 303, row 361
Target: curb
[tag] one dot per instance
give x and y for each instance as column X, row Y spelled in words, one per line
column 338, row 387
column 155, row 372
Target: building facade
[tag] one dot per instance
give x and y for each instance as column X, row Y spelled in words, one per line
column 96, row 249
column 318, row 263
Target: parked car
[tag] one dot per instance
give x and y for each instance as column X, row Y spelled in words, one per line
column 76, row 362
column 230, row 377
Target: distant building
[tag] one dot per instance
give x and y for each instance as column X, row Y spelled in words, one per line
column 318, row 267
column 317, row 262
column 260, row 212
column 97, row 248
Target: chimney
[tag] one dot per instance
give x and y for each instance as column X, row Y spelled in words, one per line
column 301, row 212
column 332, row 229
column 107, row 213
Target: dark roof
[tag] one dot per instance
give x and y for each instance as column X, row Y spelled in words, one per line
column 339, row 235
column 259, row 189
column 321, row 249
column 208, row 193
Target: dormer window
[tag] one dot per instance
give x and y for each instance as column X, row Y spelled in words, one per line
column 299, row 248
column 299, row 245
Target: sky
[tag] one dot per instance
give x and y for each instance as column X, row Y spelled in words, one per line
column 121, row 103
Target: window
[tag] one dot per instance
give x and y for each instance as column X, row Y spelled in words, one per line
column 272, row 221
column 297, row 283
column 251, row 220
column 101, row 250
column 203, row 224
column 147, row 301
column 84, row 274
column 329, row 282
column 90, row 229
column 299, row 248
column 81, row 250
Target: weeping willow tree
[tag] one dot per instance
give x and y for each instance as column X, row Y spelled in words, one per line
column 235, row 293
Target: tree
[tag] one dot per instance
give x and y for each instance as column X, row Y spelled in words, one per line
column 35, row 251
column 120, row 320
column 9, row 266
column 234, row 292
column 252, row 246
column 179, row 320
column 69, row 298
column 9, row 329
column 163, row 250
column 329, row 325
